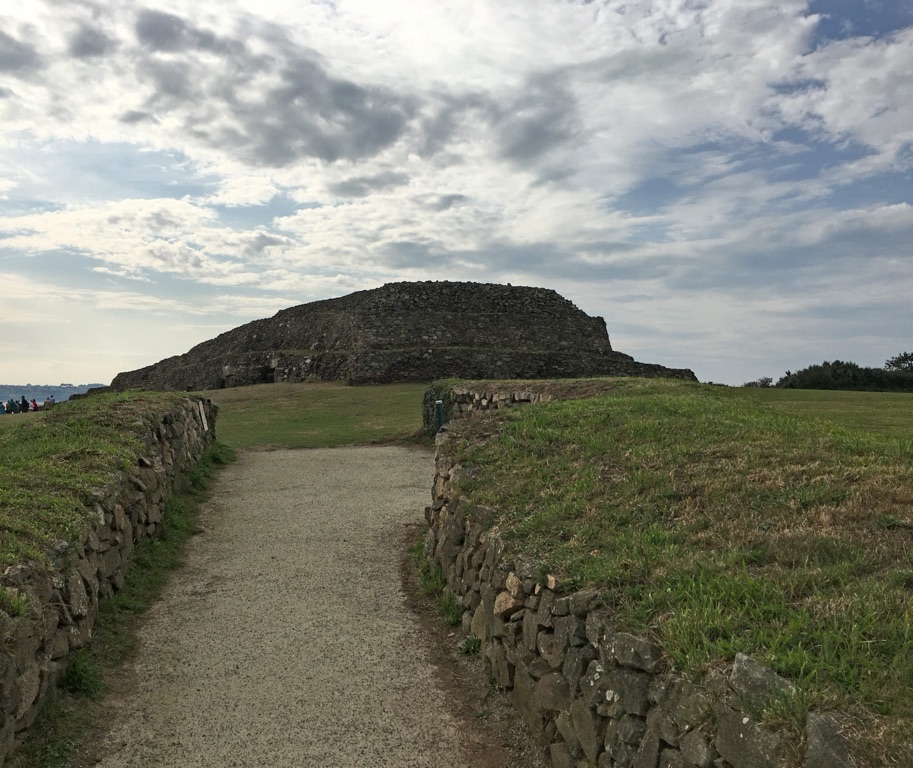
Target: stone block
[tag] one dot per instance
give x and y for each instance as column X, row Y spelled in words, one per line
column 634, row 652
column 744, row 742
column 826, row 742
column 565, row 727
column 505, row 605
column 551, row 694
column 576, row 661
column 626, row 692
column 589, row 729
column 697, row 749
column 672, row 758
column 561, row 756
column 757, row 685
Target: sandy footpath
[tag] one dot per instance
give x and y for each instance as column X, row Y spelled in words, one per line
column 285, row 641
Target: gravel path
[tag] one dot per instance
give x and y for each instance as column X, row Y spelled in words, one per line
column 285, row 641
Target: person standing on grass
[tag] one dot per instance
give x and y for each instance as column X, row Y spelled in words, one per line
column 34, row 404
column 23, row 405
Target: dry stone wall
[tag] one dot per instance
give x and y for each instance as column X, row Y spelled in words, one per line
column 62, row 601
column 592, row 695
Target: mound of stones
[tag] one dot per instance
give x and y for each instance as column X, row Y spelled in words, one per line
column 410, row 331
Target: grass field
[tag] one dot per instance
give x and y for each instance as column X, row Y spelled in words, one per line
column 717, row 524
column 886, row 413
column 317, row 415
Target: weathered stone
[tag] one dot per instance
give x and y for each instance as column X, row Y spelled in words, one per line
column 687, row 704
column 744, row 742
column 631, row 651
column 588, row 728
column 565, row 727
column 581, row 602
column 626, row 692
column 570, row 631
column 647, row 755
column 514, row 585
column 672, row 758
column 594, row 684
column 576, row 661
column 552, row 694
column 502, row 671
column 27, row 687
column 506, row 605
column 626, row 729
column 76, row 597
column 756, row 684
column 561, row 756
column 826, row 743
column 598, row 623
column 697, row 749
column 551, row 648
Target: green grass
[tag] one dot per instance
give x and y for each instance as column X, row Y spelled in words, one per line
column 716, row 525
column 50, row 463
column 318, row 415
column 68, row 716
column 887, row 413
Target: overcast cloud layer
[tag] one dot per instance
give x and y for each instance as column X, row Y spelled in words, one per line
column 727, row 182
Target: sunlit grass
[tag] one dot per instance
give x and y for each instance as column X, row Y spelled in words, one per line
column 317, row 415
column 719, row 526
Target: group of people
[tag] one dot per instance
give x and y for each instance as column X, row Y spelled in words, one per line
column 24, row 406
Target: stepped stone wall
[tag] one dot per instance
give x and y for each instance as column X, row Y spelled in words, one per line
column 593, row 696
column 404, row 332
column 63, row 600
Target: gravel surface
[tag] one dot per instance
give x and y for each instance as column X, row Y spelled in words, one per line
column 286, row 641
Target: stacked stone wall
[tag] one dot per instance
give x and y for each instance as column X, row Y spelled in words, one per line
column 62, row 597
column 403, row 332
column 592, row 695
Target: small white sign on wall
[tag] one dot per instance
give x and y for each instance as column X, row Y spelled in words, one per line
column 203, row 417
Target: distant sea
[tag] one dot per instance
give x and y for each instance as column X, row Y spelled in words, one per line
column 39, row 392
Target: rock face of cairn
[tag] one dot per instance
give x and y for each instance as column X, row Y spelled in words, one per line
column 405, row 332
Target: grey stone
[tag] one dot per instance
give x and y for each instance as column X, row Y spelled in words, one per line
column 506, row 605
column 551, row 694
column 744, row 742
column 631, row 651
column 551, row 648
column 626, row 692
column 76, row 596
column 697, row 749
column 583, row 601
column 672, row 758
column 827, row 743
column 756, row 684
column 576, row 661
column 588, row 727
column 598, row 623
column 571, row 630
column 565, row 727
column 560, row 756
column 687, row 704
column 594, row 683
column 626, row 729
column 647, row 755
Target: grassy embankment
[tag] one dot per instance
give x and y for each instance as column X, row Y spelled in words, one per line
column 49, row 464
column 50, row 461
column 717, row 525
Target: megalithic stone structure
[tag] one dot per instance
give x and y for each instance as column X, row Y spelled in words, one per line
column 410, row 331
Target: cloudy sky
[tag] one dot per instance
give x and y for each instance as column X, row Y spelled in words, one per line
column 729, row 183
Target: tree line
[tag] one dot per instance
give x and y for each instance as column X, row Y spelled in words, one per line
column 895, row 376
